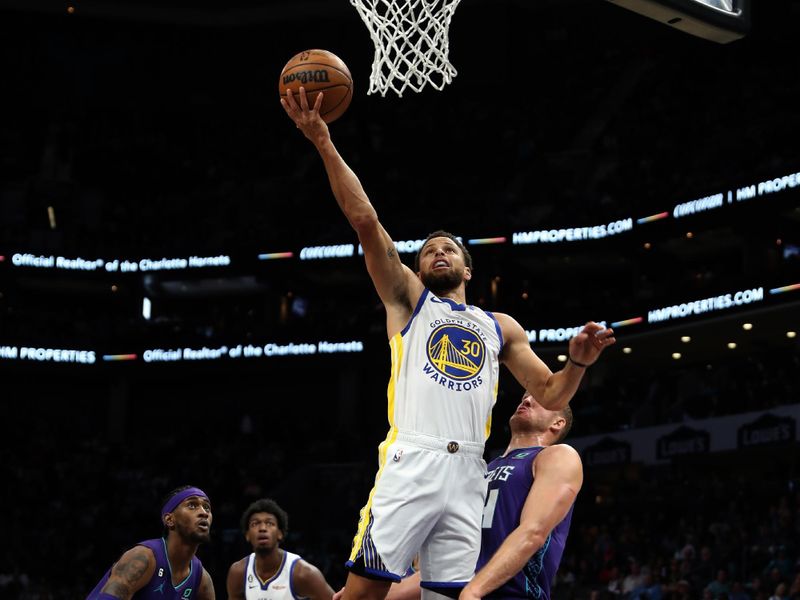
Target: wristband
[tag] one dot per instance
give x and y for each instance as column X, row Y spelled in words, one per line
column 576, row 363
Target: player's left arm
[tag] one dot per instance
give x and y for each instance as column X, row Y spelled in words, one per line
column 558, row 475
column 206, row 591
column 552, row 390
column 308, row 581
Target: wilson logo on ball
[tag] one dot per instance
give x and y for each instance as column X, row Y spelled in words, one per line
column 318, row 72
column 318, row 76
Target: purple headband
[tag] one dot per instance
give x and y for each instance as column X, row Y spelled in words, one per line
column 175, row 501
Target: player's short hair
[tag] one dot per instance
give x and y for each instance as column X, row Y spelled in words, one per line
column 566, row 412
column 266, row 505
column 447, row 234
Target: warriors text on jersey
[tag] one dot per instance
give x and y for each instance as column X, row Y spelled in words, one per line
column 160, row 586
column 510, row 478
column 445, row 367
column 278, row 587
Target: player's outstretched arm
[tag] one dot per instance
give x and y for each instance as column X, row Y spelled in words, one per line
column 235, row 582
column 206, row 591
column 552, row 390
column 130, row 573
column 309, row 582
column 558, row 478
column 396, row 285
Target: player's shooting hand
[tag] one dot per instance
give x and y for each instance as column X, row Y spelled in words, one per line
column 305, row 117
column 585, row 348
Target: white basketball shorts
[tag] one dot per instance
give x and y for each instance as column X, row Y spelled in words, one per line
column 427, row 500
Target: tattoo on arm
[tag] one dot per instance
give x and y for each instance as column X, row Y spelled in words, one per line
column 115, row 588
column 126, row 575
column 390, row 252
column 131, row 570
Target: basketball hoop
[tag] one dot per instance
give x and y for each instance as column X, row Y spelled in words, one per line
column 411, row 43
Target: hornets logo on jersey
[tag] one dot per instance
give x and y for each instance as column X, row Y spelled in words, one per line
column 456, row 351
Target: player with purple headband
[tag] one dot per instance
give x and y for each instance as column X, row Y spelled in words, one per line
column 165, row 568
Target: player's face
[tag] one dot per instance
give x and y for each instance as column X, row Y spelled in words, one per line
column 530, row 416
column 441, row 265
column 263, row 532
column 192, row 519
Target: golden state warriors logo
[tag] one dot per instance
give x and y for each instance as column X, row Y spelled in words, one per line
column 456, row 351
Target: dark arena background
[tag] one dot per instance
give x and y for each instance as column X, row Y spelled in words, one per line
column 181, row 300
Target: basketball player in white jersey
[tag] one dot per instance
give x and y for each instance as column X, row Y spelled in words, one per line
column 429, row 491
column 269, row 572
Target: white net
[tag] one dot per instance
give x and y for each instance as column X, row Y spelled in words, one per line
column 411, row 43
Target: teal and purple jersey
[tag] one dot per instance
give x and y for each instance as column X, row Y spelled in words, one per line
column 160, row 585
column 510, row 478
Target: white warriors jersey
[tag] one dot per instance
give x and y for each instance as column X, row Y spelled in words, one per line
column 445, row 371
column 278, row 587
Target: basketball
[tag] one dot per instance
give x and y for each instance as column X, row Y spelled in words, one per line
column 319, row 71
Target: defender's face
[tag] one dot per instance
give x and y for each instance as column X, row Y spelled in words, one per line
column 441, row 265
column 531, row 416
column 192, row 519
column 263, row 532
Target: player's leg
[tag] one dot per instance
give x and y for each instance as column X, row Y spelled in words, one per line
column 449, row 555
column 399, row 515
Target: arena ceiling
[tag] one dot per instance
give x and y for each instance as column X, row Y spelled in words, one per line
column 776, row 23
